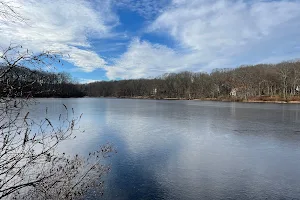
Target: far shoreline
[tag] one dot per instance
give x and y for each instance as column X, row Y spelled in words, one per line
column 184, row 99
column 205, row 99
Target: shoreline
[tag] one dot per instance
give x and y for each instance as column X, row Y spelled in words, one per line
column 209, row 99
column 185, row 99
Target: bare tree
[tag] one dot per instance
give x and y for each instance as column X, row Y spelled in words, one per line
column 30, row 167
column 8, row 12
column 284, row 73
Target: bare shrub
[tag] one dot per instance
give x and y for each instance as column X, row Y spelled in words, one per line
column 30, row 166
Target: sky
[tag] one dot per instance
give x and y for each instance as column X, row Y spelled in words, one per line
column 124, row 39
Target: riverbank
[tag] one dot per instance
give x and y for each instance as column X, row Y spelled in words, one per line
column 262, row 99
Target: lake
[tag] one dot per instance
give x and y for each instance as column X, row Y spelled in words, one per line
column 190, row 149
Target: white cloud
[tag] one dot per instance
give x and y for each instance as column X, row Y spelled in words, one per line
column 85, row 80
column 208, row 33
column 61, row 25
column 144, row 59
column 214, row 34
column 146, row 8
column 211, row 25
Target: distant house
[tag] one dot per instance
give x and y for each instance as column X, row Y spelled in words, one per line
column 154, row 91
column 240, row 92
column 233, row 92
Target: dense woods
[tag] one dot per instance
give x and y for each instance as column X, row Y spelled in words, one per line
column 280, row 81
column 25, row 82
column 262, row 82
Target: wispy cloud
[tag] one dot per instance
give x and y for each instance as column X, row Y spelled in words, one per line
column 61, row 25
column 146, row 8
column 85, row 80
column 143, row 59
column 206, row 25
column 214, row 34
column 208, row 33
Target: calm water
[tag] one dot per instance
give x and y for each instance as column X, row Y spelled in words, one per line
column 190, row 149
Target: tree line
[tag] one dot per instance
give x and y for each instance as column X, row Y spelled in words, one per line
column 25, row 82
column 280, row 80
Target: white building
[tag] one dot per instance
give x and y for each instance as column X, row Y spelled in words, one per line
column 233, row 92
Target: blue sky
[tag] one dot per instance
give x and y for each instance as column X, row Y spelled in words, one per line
column 122, row 39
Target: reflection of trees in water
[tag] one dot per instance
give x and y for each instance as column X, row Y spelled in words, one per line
column 134, row 176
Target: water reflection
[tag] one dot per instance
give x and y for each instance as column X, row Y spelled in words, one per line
column 191, row 149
